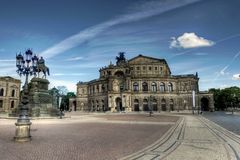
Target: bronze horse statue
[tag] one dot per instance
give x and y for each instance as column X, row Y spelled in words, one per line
column 41, row 67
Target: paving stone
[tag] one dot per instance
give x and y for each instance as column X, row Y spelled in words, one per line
column 80, row 138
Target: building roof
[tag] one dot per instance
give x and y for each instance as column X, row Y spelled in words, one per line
column 184, row 76
column 140, row 55
column 156, row 59
column 8, row 78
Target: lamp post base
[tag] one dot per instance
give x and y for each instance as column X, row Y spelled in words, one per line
column 22, row 132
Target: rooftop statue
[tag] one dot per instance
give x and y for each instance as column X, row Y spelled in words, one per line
column 121, row 58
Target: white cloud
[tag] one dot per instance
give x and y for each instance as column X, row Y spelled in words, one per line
column 69, row 74
column 236, row 77
column 7, row 60
column 222, row 72
column 200, row 54
column 70, row 85
column 58, row 74
column 190, row 40
column 75, row 58
column 152, row 8
column 223, row 86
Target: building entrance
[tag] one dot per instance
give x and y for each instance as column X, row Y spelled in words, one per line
column 204, row 104
column 119, row 104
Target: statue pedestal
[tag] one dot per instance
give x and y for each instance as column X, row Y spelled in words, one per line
column 22, row 132
column 40, row 101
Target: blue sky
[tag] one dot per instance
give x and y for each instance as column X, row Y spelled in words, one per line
column 77, row 37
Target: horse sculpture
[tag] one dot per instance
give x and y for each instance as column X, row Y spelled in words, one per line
column 41, row 67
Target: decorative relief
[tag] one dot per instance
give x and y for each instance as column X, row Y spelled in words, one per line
column 115, row 85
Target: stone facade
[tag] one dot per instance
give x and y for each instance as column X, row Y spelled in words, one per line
column 141, row 84
column 9, row 94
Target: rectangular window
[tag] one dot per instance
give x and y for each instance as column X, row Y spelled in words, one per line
column 156, row 68
column 144, row 68
column 160, row 71
column 149, row 68
column 138, row 68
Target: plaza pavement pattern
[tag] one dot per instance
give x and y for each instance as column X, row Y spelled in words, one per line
column 121, row 136
column 193, row 137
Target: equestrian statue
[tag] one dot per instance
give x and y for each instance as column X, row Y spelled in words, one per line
column 41, row 67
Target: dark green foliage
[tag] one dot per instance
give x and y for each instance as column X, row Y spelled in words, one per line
column 226, row 98
column 63, row 92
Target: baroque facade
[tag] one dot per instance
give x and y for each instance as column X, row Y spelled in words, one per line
column 9, row 94
column 141, row 84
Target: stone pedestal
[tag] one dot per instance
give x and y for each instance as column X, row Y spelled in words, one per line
column 22, row 132
column 40, row 101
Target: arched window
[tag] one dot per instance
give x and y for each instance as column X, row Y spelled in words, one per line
column 170, row 87
column 162, row 87
column 144, row 86
column 135, row 86
column 154, row 87
column 12, row 104
column 13, row 93
column 1, row 92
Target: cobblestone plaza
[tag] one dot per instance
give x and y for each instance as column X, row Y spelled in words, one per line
column 82, row 136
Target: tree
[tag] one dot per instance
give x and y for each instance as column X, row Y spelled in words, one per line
column 62, row 90
column 226, row 98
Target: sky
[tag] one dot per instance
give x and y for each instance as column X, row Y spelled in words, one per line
column 78, row 37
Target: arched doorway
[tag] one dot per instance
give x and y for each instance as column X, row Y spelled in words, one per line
column 163, row 105
column 12, row 104
column 204, row 104
column 145, row 105
column 171, row 105
column 74, row 105
column 119, row 104
column 136, row 105
column 154, row 105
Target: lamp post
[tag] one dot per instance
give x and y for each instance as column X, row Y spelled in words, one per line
column 193, row 101
column 150, row 105
column 24, row 64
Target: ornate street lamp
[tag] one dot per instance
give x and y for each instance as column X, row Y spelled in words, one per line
column 150, row 105
column 24, row 64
